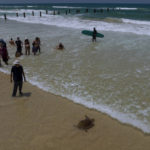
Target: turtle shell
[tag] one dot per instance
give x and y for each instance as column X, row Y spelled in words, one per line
column 85, row 124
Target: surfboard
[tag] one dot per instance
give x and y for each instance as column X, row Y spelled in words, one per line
column 90, row 33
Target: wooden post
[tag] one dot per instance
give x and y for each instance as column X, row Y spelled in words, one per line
column 32, row 13
column 17, row 15
column 86, row 10
column 66, row 12
column 46, row 11
column 77, row 11
column 54, row 12
column 24, row 14
column 5, row 16
column 69, row 11
column 40, row 14
column 94, row 10
column 107, row 9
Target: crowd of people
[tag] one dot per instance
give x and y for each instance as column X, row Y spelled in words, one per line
column 36, row 47
column 19, row 44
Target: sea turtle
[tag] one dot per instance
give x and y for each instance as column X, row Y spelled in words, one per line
column 85, row 124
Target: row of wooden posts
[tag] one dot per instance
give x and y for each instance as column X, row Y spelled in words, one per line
column 66, row 12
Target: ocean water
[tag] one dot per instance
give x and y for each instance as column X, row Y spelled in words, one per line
column 111, row 75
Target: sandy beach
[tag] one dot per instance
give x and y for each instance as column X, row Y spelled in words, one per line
column 42, row 121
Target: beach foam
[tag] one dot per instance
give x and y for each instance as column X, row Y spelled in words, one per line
column 69, row 7
column 130, row 26
column 136, row 22
column 125, row 8
column 78, row 21
column 4, row 71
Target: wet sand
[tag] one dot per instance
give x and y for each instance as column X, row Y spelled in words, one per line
column 42, row 121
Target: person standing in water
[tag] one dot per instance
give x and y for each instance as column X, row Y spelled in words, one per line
column 39, row 43
column 36, row 45
column 1, row 52
column 94, row 35
column 11, row 42
column 19, row 46
column 27, row 47
column 4, row 53
column 60, row 46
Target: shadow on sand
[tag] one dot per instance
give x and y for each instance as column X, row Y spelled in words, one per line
column 27, row 94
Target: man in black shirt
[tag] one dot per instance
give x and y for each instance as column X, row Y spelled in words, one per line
column 19, row 46
column 94, row 35
column 17, row 75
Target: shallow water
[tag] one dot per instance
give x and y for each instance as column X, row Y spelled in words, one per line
column 111, row 75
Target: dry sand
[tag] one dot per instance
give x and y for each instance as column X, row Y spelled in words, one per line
column 42, row 121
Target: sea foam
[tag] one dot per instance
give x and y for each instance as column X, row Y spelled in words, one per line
column 125, row 8
column 69, row 7
column 127, row 25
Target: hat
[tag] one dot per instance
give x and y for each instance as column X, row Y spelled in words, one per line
column 16, row 62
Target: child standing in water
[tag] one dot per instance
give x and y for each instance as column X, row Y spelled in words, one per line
column 11, row 42
column 60, row 46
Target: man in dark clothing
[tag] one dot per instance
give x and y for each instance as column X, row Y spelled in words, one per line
column 17, row 75
column 19, row 46
column 94, row 35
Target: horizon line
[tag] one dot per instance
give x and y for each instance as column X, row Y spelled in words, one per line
column 79, row 3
